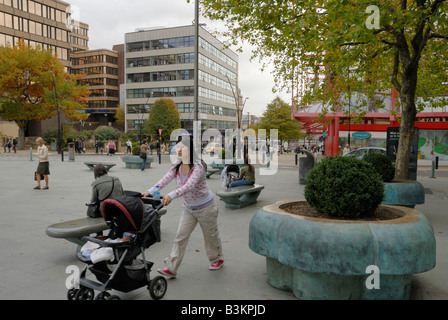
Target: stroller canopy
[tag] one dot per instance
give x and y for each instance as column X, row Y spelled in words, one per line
column 127, row 212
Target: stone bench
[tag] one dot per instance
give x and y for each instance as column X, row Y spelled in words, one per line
column 240, row 197
column 91, row 165
column 75, row 230
column 135, row 162
column 211, row 171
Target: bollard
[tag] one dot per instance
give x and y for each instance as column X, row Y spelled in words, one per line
column 71, row 151
column 432, row 169
column 31, row 154
column 437, row 162
column 297, row 156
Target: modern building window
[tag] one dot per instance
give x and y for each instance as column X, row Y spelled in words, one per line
column 160, row 92
column 160, row 76
column 161, row 44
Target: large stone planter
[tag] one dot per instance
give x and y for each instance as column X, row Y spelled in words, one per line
column 406, row 193
column 135, row 162
column 332, row 259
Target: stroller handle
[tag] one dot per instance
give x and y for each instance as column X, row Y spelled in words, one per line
column 156, row 204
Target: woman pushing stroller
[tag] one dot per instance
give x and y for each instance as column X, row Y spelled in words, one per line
column 199, row 207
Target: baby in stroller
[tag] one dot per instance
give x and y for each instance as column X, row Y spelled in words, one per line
column 134, row 225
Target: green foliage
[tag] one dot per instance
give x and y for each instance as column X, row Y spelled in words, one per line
column 330, row 48
column 28, row 78
column 344, row 187
column 278, row 116
column 135, row 149
column 50, row 135
column 163, row 112
column 382, row 164
column 105, row 133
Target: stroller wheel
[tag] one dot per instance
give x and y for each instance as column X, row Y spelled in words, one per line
column 84, row 294
column 157, row 287
column 102, row 296
column 71, row 294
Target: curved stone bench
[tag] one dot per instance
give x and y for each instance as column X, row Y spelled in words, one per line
column 330, row 259
column 135, row 162
column 75, row 230
column 91, row 165
column 406, row 193
column 211, row 171
column 240, row 197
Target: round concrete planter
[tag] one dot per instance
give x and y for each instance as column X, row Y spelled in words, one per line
column 331, row 259
column 406, row 193
column 135, row 162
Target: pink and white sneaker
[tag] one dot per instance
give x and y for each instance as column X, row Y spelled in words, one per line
column 166, row 272
column 216, row 265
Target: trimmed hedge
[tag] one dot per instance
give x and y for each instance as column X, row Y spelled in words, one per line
column 382, row 164
column 344, row 187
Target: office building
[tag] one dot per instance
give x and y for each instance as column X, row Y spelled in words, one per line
column 159, row 63
column 100, row 68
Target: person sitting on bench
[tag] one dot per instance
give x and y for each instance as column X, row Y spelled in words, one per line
column 247, row 176
column 103, row 184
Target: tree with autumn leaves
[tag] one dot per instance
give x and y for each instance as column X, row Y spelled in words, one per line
column 28, row 78
column 278, row 116
column 369, row 47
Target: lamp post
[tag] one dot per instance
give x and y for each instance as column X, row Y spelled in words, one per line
column 196, row 61
column 159, row 130
column 139, row 125
column 349, row 113
column 59, row 115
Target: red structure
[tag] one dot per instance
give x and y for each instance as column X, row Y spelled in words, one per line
column 333, row 123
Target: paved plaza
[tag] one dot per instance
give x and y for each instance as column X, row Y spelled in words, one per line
column 33, row 265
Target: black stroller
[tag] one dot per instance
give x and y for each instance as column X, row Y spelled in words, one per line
column 124, row 272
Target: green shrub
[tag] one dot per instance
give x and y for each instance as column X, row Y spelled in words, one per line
column 344, row 187
column 135, row 149
column 382, row 164
column 105, row 133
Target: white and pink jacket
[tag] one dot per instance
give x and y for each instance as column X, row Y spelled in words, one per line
column 193, row 188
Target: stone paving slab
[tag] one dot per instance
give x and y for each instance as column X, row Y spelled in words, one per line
column 33, row 265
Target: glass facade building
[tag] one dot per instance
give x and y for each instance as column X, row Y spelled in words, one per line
column 159, row 63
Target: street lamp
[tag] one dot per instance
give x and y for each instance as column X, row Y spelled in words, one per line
column 160, row 128
column 139, row 125
column 59, row 115
column 196, row 61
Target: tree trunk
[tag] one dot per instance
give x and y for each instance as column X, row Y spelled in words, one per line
column 21, row 142
column 408, row 113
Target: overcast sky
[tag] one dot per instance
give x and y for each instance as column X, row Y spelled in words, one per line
column 109, row 20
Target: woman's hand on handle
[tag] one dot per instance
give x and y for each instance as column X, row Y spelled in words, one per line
column 166, row 200
column 145, row 194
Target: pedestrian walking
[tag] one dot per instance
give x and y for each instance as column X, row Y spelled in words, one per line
column 144, row 153
column 129, row 146
column 43, row 168
column 14, row 145
column 199, row 207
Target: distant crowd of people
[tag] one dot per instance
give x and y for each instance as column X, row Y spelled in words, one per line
column 10, row 142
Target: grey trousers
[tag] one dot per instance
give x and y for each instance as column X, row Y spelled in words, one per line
column 208, row 220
